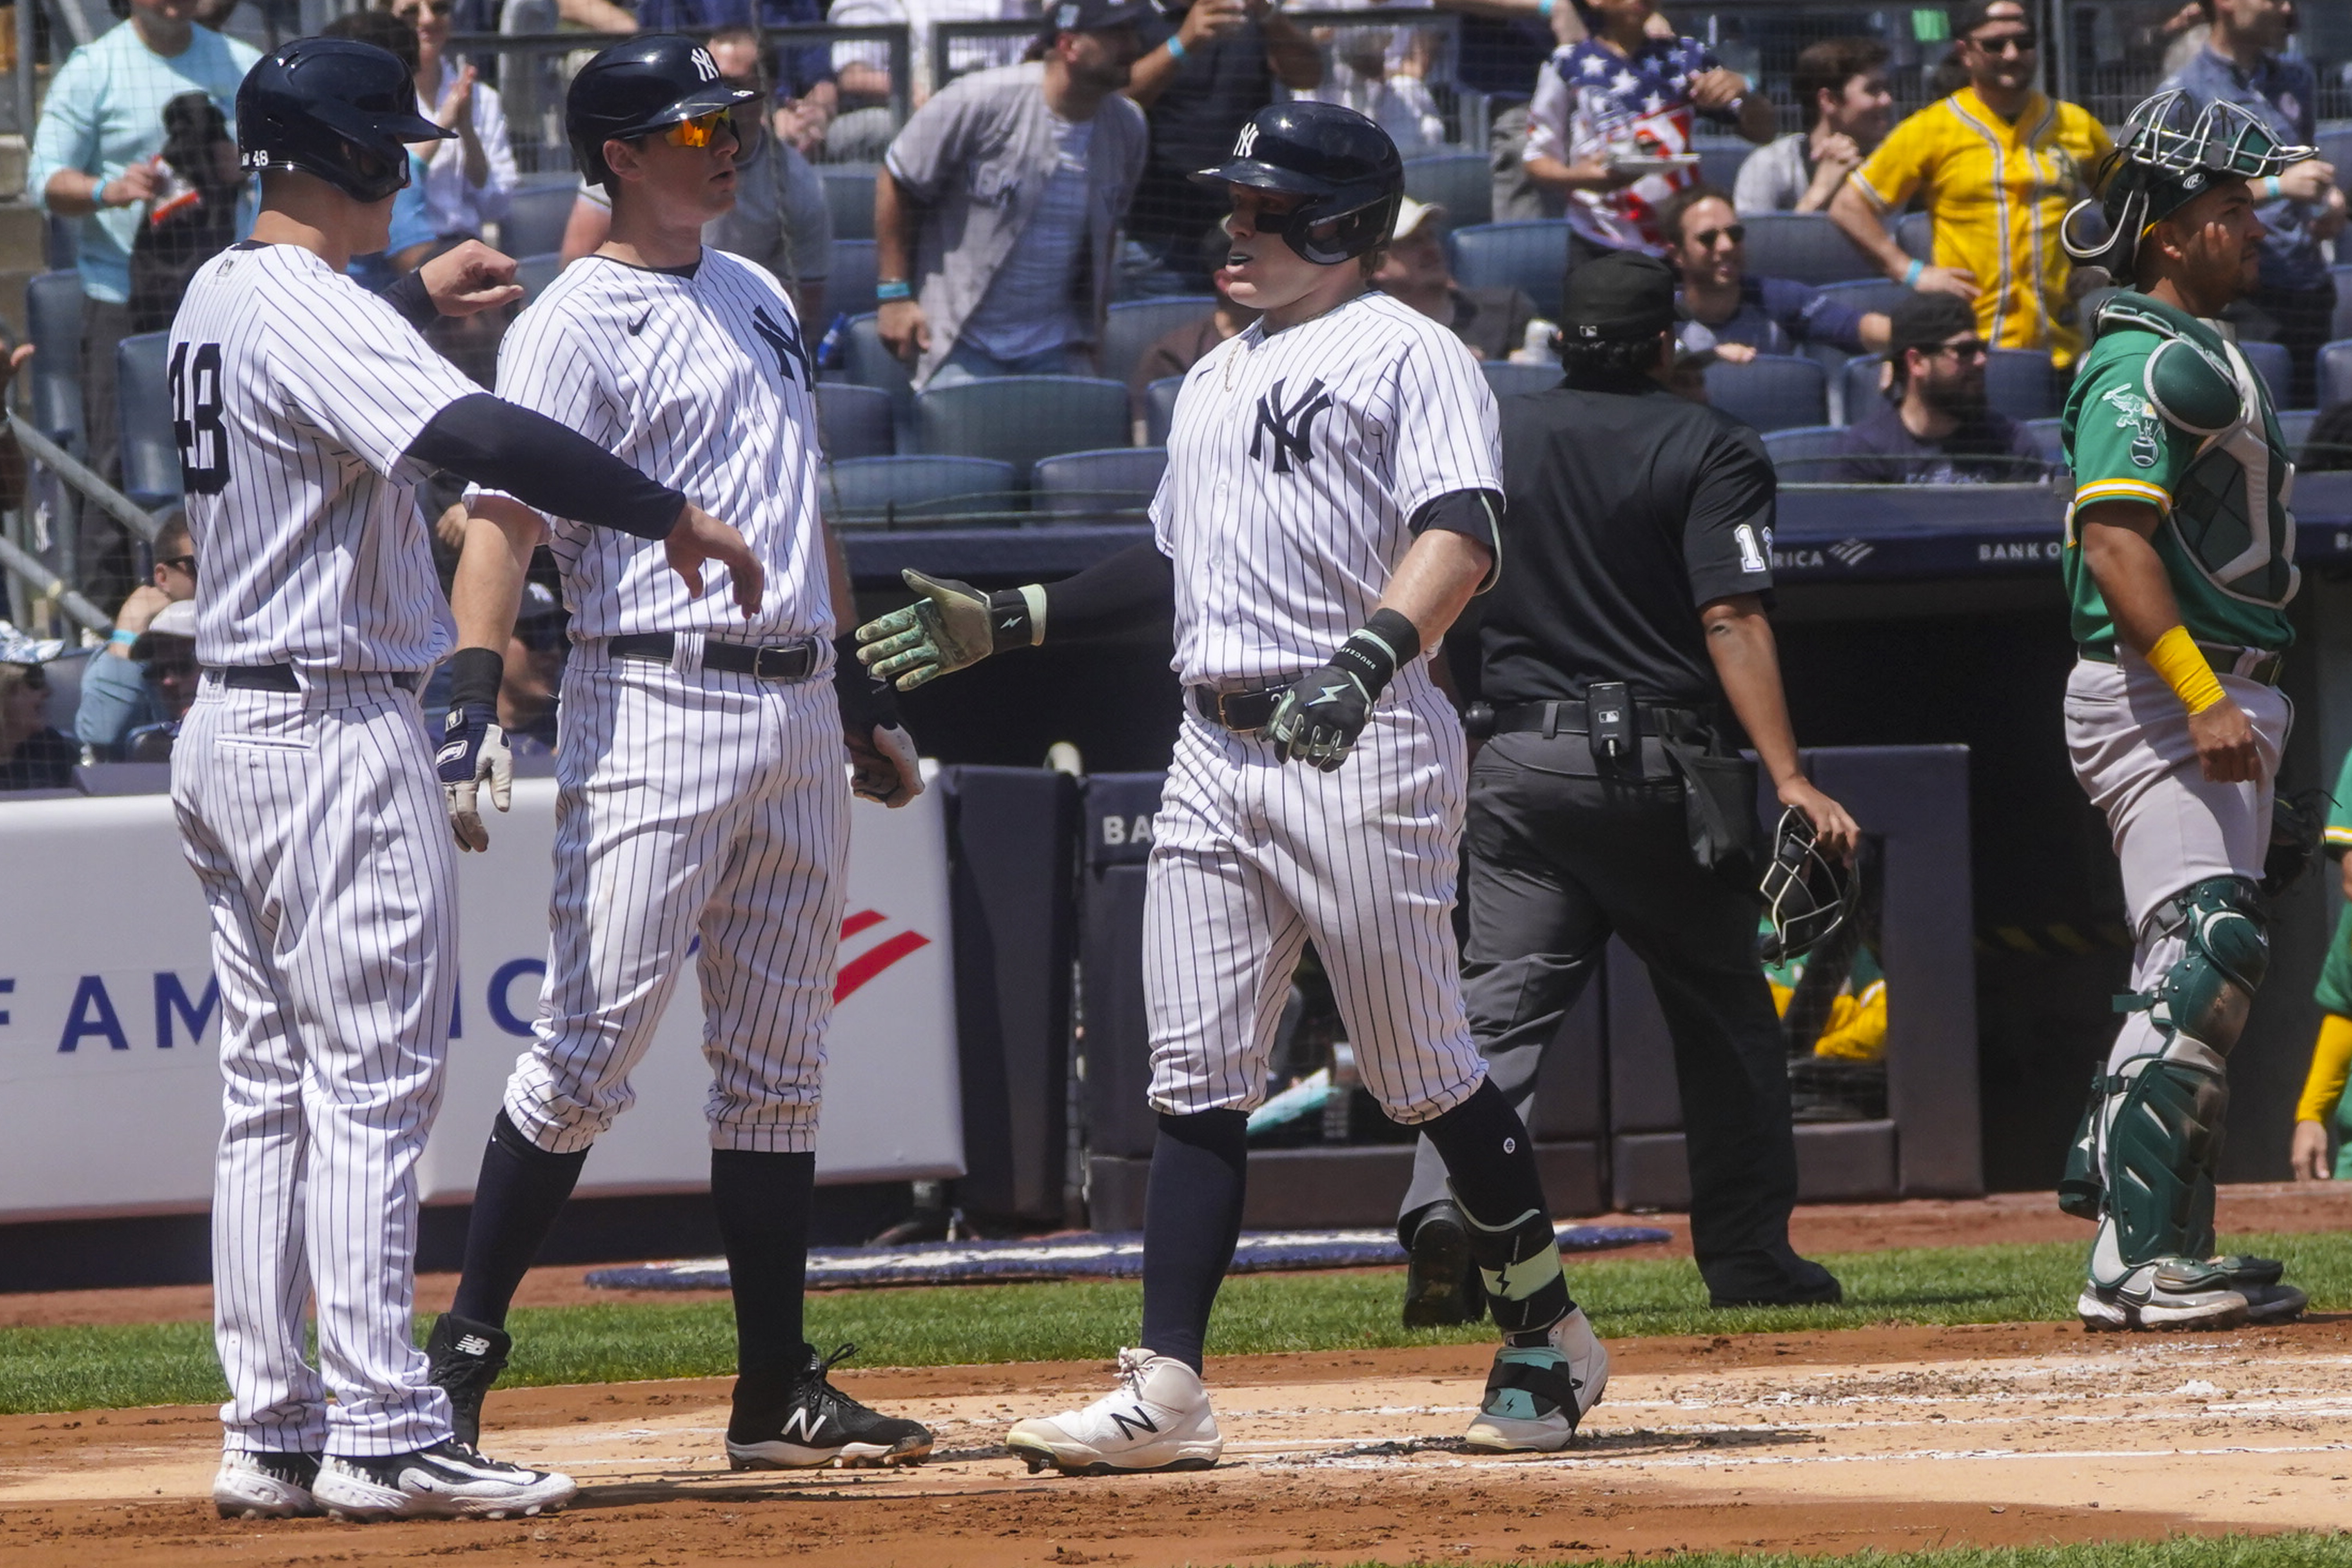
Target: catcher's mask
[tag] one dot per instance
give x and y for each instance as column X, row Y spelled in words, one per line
column 2171, row 153
column 1807, row 894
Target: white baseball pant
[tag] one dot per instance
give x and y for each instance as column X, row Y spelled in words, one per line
column 690, row 804
column 1253, row 857
column 316, row 829
column 2129, row 737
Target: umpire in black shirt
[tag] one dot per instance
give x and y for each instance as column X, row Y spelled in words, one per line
column 1637, row 552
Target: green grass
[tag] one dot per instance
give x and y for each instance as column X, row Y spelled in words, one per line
column 172, row 1363
column 2298, row 1551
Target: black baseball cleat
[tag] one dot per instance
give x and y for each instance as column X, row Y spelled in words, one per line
column 793, row 1421
column 463, row 1358
column 1441, row 1282
column 447, row 1481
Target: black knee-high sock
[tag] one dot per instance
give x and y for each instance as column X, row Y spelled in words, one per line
column 1490, row 1163
column 764, row 1219
column 1191, row 1218
column 521, row 1189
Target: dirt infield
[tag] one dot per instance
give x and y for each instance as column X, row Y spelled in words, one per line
column 1827, row 1443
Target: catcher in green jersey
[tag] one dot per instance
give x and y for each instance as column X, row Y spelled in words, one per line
column 2180, row 564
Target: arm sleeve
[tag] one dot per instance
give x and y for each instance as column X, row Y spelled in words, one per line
column 2122, row 449
column 931, row 148
column 113, row 701
column 66, row 137
column 1548, row 111
column 1474, row 514
column 1889, row 175
column 408, row 295
column 2331, row 1067
column 1727, row 534
column 1810, row 316
column 500, row 446
column 1139, row 584
column 1447, row 434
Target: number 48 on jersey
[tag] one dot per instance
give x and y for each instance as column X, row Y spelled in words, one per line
column 196, row 425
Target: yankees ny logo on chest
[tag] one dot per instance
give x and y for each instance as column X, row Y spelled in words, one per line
column 785, row 341
column 1292, row 426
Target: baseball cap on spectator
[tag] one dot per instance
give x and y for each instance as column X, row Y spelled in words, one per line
column 16, row 648
column 1412, row 215
column 1925, row 321
column 1977, row 13
column 1622, row 296
column 1092, row 16
column 177, row 619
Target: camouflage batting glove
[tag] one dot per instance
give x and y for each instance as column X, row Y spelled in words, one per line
column 952, row 625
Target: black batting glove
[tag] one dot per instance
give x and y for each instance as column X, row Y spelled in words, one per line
column 1320, row 718
column 883, row 763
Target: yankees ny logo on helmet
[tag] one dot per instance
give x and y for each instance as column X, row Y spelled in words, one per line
column 1292, row 428
column 1246, row 140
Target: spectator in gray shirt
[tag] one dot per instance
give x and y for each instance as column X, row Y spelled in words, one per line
column 1841, row 83
column 997, row 208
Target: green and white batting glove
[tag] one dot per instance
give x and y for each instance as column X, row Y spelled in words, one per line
column 952, row 625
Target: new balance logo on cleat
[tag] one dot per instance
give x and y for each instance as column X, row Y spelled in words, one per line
column 473, row 1344
column 1134, row 1422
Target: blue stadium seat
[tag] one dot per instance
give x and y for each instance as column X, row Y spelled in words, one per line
column 535, row 215
column 2274, row 365
column 1529, row 256
column 1863, row 394
column 1916, row 233
column 849, row 285
column 855, row 421
column 1802, row 454
column 1509, row 379
column 2342, row 273
column 900, row 492
column 2334, row 373
column 870, row 364
column 536, row 272
column 1117, row 479
column 849, row 198
column 143, row 401
column 1159, row 408
column 1770, row 392
column 1719, row 160
column 2023, row 383
column 2046, row 435
column 1018, row 419
column 1880, row 294
column 1134, row 325
column 1460, row 183
column 1806, row 247
column 2294, row 427
column 53, row 323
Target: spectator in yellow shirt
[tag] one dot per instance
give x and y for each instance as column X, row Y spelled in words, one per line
column 1998, row 164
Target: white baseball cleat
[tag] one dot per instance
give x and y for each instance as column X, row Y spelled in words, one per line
column 1536, row 1394
column 251, row 1485
column 2169, row 1293
column 447, row 1481
column 1157, row 1419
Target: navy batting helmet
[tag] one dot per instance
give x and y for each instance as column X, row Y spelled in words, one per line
column 335, row 108
column 1344, row 166
column 634, row 88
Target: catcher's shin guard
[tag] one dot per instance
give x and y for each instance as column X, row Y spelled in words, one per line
column 1519, row 1265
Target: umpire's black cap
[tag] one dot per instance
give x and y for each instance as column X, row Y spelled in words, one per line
column 1343, row 163
column 638, row 86
column 335, row 108
column 1622, row 296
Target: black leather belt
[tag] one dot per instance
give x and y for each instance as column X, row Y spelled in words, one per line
column 776, row 661
column 1568, row 717
column 2265, row 668
column 281, row 678
column 1242, row 711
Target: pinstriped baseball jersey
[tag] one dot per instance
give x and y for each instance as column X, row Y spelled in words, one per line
column 295, row 396
column 675, row 373
column 1295, row 465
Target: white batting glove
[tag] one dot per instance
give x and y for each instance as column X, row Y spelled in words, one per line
column 472, row 748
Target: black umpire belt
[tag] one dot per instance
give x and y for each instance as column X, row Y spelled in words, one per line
column 1570, row 718
column 1241, row 711
column 776, row 661
column 281, row 677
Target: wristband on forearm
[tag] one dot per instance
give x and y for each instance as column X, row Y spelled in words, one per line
column 1017, row 617
column 475, row 675
column 1380, row 647
column 2177, row 659
column 1911, row 273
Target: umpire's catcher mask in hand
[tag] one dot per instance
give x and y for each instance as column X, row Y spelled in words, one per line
column 333, row 108
column 1807, row 894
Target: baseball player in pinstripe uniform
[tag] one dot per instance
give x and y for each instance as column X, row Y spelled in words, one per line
column 703, row 792
column 305, row 411
column 1328, row 508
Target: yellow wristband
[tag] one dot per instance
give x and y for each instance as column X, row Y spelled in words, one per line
column 2177, row 659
